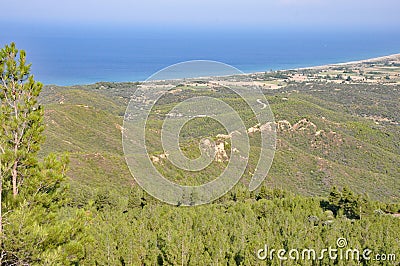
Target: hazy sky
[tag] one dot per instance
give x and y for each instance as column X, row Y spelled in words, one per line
column 222, row 13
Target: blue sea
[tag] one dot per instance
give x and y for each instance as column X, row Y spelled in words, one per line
column 68, row 55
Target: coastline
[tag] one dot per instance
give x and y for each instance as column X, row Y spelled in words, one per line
column 393, row 57
column 349, row 63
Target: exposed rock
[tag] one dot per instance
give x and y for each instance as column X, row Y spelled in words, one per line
column 326, row 140
column 220, row 153
column 155, row 159
column 163, row 156
column 304, row 124
column 119, row 127
column 266, row 127
column 159, row 158
column 223, row 136
column 319, row 132
column 283, row 125
column 254, row 129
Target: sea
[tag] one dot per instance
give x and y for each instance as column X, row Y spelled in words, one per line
column 65, row 54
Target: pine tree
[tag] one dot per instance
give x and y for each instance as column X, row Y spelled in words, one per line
column 136, row 198
column 350, row 204
column 21, row 119
column 334, row 200
column 36, row 227
column 264, row 193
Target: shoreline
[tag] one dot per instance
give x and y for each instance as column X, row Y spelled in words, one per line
column 318, row 67
column 349, row 63
column 357, row 62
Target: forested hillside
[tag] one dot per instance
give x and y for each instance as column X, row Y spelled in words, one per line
column 68, row 197
column 326, row 135
column 344, row 135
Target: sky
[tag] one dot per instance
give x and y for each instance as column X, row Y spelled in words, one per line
column 207, row 13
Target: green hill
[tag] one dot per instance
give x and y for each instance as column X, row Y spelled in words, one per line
column 330, row 133
column 343, row 147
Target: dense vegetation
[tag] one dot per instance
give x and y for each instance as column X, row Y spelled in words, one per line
column 232, row 230
column 36, row 225
column 338, row 179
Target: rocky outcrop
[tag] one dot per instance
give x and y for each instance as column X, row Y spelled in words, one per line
column 319, row 138
column 304, row 124
column 220, row 153
column 159, row 158
column 326, row 139
column 267, row 127
column 284, row 125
